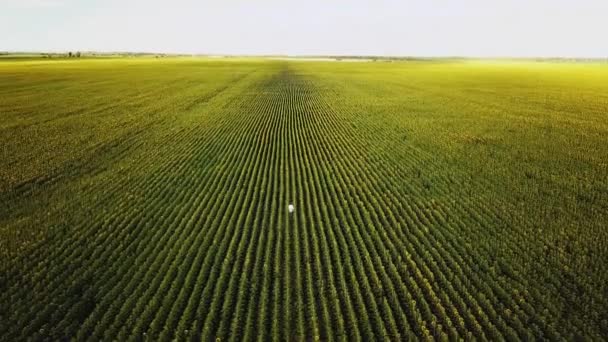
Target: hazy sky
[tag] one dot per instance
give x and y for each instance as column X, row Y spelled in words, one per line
column 573, row 28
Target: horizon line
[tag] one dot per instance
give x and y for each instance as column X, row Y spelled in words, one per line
column 304, row 55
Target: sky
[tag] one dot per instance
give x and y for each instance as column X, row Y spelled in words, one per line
column 474, row 28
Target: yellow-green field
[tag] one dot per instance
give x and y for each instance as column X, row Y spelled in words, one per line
column 145, row 198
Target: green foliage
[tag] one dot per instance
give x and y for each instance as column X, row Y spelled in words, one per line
column 147, row 198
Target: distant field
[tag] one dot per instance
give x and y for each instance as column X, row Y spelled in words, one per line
column 148, row 199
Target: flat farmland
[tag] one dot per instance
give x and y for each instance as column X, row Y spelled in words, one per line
column 148, row 199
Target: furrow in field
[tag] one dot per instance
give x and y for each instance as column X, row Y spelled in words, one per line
column 104, row 232
column 430, row 274
column 448, row 256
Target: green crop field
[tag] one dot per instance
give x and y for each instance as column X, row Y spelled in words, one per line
column 147, row 199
